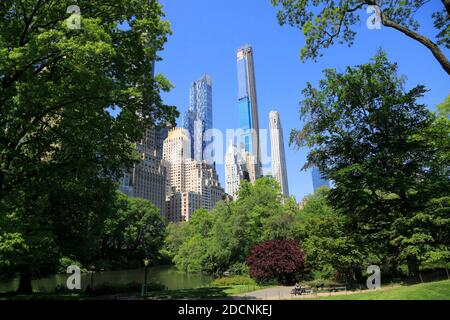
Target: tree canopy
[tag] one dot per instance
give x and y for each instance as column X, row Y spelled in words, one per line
column 220, row 240
column 387, row 154
column 135, row 230
column 61, row 146
column 276, row 259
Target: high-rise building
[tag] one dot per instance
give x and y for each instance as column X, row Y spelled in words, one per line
column 248, row 106
column 278, row 155
column 191, row 184
column 235, row 170
column 147, row 178
column 318, row 180
column 181, row 205
column 198, row 118
column 176, row 150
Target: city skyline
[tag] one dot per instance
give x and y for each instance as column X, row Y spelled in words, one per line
column 281, row 75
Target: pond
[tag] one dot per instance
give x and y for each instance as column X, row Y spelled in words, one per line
column 169, row 276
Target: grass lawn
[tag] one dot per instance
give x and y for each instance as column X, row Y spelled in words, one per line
column 439, row 290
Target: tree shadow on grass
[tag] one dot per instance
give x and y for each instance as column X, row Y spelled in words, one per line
column 191, row 294
column 43, row 296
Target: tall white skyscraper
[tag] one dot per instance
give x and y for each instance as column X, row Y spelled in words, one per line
column 278, row 155
column 235, row 170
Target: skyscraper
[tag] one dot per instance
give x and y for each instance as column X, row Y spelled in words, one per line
column 248, row 106
column 235, row 170
column 191, row 184
column 198, row 118
column 147, row 178
column 278, row 155
column 318, row 180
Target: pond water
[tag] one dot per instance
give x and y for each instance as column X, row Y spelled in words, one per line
column 169, row 276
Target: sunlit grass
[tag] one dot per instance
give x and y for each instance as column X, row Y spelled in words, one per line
column 439, row 290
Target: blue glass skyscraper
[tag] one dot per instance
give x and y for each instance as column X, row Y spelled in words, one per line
column 198, row 118
column 318, row 180
column 248, row 105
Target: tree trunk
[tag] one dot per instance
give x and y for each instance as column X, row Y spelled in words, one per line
column 25, row 282
column 413, row 268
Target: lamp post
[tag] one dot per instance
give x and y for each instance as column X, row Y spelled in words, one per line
column 144, row 287
column 92, row 277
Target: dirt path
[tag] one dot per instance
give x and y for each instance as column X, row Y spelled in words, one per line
column 284, row 293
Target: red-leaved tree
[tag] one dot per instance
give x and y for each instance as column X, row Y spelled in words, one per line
column 282, row 260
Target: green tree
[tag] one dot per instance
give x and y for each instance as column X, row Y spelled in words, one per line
column 331, row 251
column 177, row 234
column 378, row 144
column 135, row 231
column 444, row 107
column 325, row 22
column 316, row 205
column 425, row 235
column 221, row 239
column 60, row 147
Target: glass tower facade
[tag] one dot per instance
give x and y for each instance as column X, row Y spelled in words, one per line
column 318, row 180
column 198, row 118
column 248, row 105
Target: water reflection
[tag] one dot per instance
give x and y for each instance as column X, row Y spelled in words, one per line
column 167, row 275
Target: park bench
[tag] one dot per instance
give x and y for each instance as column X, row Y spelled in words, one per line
column 301, row 290
column 336, row 289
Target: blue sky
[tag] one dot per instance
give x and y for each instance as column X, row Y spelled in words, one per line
column 207, row 33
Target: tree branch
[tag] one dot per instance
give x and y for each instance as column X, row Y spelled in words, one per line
column 447, row 5
column 433, row 47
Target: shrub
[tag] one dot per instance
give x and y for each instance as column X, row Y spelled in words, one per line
column 233, row 281
column 64, row 262
column 282, row 260
column 323, row 283
column 239, row 268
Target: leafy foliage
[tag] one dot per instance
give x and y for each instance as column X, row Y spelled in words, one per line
column 332, row 252
column 282, row 260
column 234, row 281
column 136, row 230
column 220, row 240
column 61, row 148
column 386, row 153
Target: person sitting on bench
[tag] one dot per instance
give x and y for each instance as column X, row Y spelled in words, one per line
column 297, row 289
